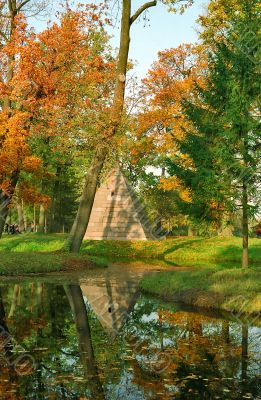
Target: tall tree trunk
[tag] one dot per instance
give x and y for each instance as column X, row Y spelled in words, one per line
column 85, row 207
column 245, row 255
column 52, row 225
column 75, row 297
column 41, row 221
column 24, row 216
column 20, row 215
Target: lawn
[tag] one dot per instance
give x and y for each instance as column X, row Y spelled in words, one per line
column 33, row 253
column 186, row 251
column 215, row 279
column 235, row 290
column 179, row 251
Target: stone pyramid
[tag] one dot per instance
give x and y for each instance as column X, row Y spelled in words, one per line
column 117, row 213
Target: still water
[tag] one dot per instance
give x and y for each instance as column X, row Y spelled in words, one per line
column 98, row 338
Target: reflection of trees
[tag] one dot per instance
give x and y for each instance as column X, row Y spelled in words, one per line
column 207, row 356
column 77, row 304
column 42, row 323
column 244, row 352
column 8, row 375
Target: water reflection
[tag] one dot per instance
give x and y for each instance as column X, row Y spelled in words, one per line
column 59, row 342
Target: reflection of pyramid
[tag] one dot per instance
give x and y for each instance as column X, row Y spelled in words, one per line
column 117, row 214
column 111, row 302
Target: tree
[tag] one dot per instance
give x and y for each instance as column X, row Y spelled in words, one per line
column 10, row 12
column 223, row 140
column 90, row 185
column 158, row 127
column 59, row 83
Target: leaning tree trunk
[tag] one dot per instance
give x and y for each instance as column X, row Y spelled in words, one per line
column 5, row 201
column 85, row 207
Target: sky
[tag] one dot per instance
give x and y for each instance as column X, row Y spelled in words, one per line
column 163, row 30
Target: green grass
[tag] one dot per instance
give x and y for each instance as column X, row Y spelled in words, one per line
column 234, row 290
column 214, row 281
column 33, row 253
column 32, row 242
column 15, row 263
column 186, row 251
column 190, row 251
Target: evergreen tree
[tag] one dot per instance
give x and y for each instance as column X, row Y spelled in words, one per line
column 224, row 138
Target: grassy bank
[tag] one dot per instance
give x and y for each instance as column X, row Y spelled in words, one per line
column 34, row 263
column 190, row 251
column 220, row 284
column 32, row 253
column 180, row 250
column 233, row 290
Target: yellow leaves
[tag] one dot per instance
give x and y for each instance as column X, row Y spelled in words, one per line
column 218, row 17
column 161, row 124
column 31, row 164
column 174, row 183
column 185, row 195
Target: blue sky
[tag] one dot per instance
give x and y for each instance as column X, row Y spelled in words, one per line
column 164, row 30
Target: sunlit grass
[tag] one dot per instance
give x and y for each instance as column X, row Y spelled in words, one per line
column 216, row 279
column 234, row 290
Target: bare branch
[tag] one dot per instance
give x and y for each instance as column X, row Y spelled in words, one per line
column 141, row 9
column 22, row 4
column 3, row 35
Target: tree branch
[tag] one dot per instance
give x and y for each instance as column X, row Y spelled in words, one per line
column 22, row 4
column 141, row 9
column 3, row 36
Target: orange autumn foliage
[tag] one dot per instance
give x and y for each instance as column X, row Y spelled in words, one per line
column 160, row 122
column 57, row 75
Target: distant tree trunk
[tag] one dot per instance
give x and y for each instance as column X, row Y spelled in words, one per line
column 35, row 225
column 24, row 216
column 191, row 231
column 41, row 221
column 52, row 220
column 85, row 207
column 20, row 216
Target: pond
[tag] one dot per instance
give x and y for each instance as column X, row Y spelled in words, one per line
column 96, row 337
